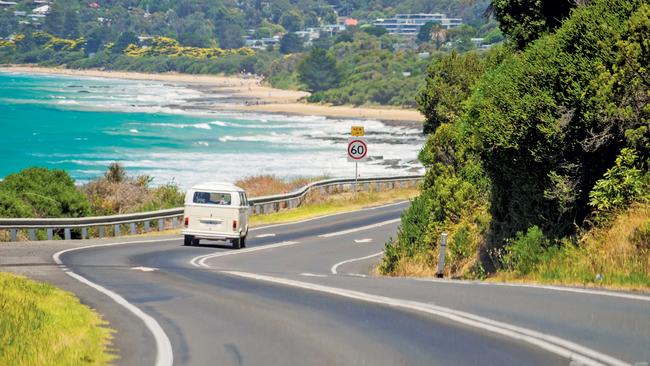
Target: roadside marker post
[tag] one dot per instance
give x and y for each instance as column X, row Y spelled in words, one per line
column 441, row 259
column 357, row 151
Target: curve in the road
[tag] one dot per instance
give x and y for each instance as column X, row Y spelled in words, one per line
column 164, row 353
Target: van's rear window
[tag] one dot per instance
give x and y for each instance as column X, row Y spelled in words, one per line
column 212, row 198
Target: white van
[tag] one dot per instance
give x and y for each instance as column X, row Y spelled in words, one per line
column 216, row 211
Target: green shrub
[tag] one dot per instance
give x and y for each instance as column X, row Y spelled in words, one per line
column 47, row 193
column 623, row 183
column 526, row 251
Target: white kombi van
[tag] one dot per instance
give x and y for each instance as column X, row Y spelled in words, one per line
column 216, row 211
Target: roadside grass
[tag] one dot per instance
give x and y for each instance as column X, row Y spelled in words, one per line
column 616, row 255
column 337, row 203
column 264, row 185
column 43, row 325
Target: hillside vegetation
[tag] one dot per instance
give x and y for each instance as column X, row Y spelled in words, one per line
column 539, row 152
column 364, row 65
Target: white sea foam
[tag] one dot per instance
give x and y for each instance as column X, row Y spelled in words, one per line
column 133, row 130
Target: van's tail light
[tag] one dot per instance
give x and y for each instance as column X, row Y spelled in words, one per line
column 234, row 225
column 187, row 221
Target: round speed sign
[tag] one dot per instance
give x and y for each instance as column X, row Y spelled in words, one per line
column 357, row 150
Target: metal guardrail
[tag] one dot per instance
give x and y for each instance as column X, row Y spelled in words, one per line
column 102, row 226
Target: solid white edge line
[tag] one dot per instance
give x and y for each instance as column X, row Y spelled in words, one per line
column 200, row 260
column 556, row 345
column 367, row 227
column 336, row 266
column 164, row 353
column 326, row 216
column 621, row 295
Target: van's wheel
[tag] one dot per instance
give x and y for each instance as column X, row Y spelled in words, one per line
column 236, row 243
column 242, row 242
column 196, row 241
column 188, row 240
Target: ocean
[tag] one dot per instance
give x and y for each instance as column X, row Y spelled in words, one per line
column 159, row 129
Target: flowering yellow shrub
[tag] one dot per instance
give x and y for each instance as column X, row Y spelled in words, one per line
column 7, row 43
column 49, row 41
column 164, row 46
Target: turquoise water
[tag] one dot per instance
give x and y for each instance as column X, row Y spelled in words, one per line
column 82, row 125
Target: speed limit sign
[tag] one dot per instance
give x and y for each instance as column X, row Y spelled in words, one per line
column 357, row 149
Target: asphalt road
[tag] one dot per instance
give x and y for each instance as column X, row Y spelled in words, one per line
column 298, row 296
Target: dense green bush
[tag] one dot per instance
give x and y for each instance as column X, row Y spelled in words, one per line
column 40, row 192
column 526, row 251
column 532, row 135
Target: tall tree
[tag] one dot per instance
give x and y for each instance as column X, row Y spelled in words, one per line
column 318, row 70
column 424, row 35
column 523, row 21
column 291, row 43
column 70, row 23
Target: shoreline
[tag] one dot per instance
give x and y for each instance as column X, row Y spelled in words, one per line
column 254, row 96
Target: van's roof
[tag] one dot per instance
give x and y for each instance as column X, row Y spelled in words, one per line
column 217, row 186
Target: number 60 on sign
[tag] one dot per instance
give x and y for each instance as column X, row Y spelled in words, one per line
column 357, row 149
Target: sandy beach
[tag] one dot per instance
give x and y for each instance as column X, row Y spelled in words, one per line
column 254, row 96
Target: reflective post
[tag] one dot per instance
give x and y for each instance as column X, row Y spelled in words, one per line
column 441, row 260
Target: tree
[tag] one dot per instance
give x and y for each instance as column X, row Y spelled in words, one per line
column 449, row 82
column 230, row 35
column 95, row 39
column 292, row 21
column 375, row 31
column 124, row 41
column 8, row 23
column 318, row 70
column 70, row 23
column 523, row 21
column 291, row 43
column 424, row 35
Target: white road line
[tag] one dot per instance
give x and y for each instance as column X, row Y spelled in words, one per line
column 621, row 295
column 164, row 354
column 344, row 232
column 553, row 344
column 265, row 236
column 356, row 275
column 144, row 269
column 306, row 274
column 200, row 260
column 336, row 266
column 325, row 216
column 362, row 241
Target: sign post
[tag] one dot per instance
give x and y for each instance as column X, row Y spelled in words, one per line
column 357, row 151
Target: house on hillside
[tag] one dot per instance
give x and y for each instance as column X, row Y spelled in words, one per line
column 409, row 24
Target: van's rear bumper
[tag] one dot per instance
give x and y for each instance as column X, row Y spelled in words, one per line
column 214, row 235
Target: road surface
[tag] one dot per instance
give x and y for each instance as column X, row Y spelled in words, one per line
column 302, row 294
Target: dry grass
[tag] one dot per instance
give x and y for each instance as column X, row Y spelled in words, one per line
column 264, row 185
column 319, row 205
column 613, row 256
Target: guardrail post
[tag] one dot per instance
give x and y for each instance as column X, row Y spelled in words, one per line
column 174, row 219
column 441, row 259
column 66, row 234
column 256, row 208
column 161, row 224
column 50, row 233
column 117, row 230
column 84, row 233
column 146, row 226
column 13, row 233
column 101, row 232
column 32, row 234
column 133, row 231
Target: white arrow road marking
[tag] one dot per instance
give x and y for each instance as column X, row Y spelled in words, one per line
column 379, row 224
column 561, row 347
column 312, row 275
column 265, row 236
column 144, row 269
column 200, row 260
column 361, row 241
column 164, row 354
column 336, row 266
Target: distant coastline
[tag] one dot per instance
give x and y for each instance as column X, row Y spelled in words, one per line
column 250, row 94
